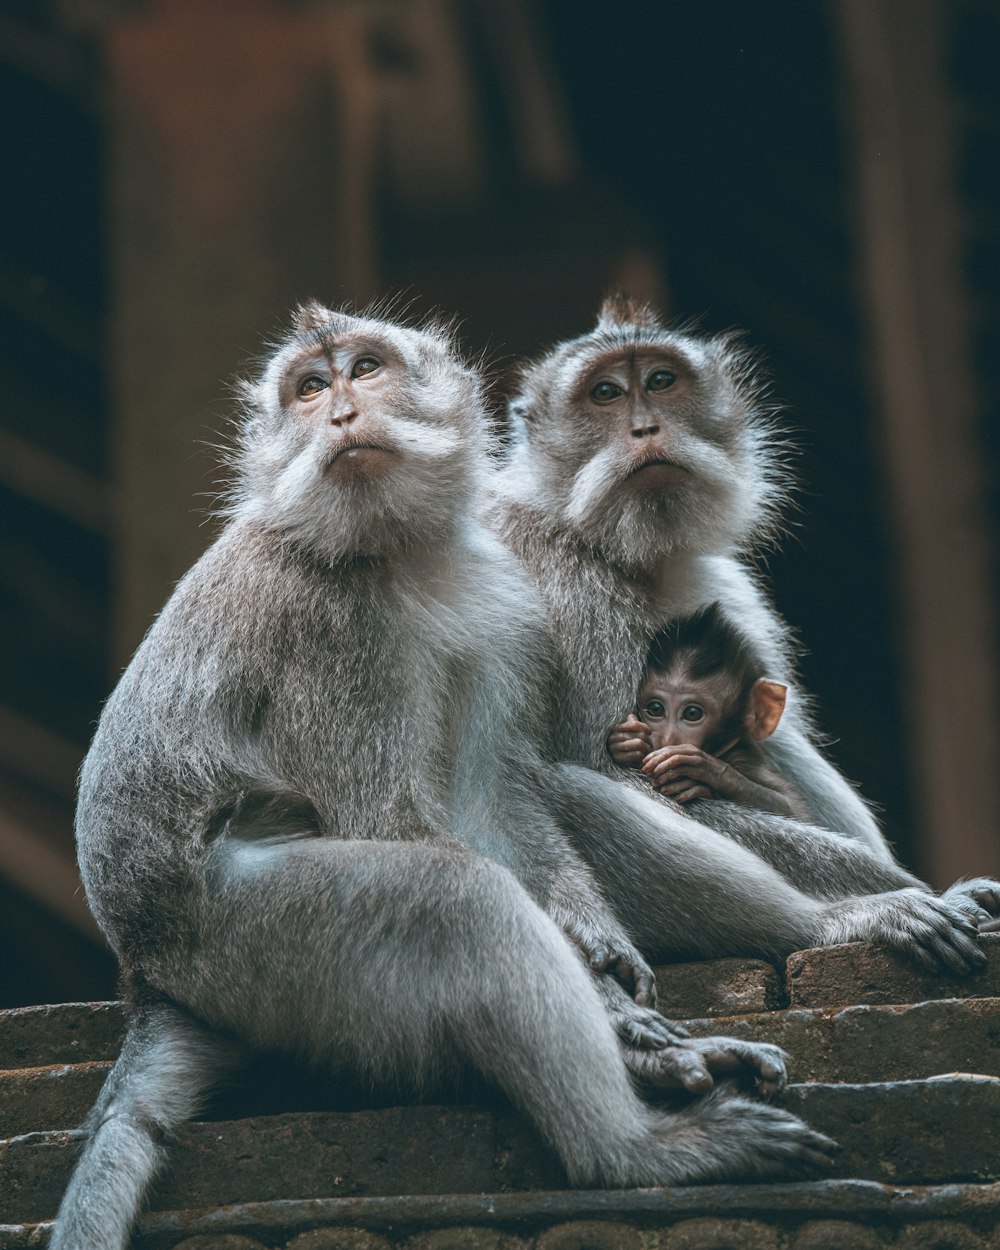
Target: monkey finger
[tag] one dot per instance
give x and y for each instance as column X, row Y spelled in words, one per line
column 765, row 1063
column 643, row 1028
column 679, row 1065
column 669, row 789
column 599, row 957
column 695, row 792
column 643, row 986
column 686, row 764
column 984, row 892
column 952, row 945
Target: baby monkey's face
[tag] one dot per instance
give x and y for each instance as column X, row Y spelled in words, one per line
column 678, row 708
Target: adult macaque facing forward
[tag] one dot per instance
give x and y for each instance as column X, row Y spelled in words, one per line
column 643, row 468
column 308, row 823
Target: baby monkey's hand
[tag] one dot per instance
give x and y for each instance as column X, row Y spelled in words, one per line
column 629, row 742
column 684, row 772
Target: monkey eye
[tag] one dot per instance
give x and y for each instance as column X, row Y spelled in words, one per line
column 312, row 385
column 661, row 380
column 604, row 392
column 692, row 713
column 655, row 709
column 365, row 365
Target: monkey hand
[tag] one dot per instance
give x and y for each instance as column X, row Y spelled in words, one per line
column 605, row 945
column 629, row 742
column 935, row 931
column 637, row 1027
column 694, row 1063
column 979, row 899
column 684, row 772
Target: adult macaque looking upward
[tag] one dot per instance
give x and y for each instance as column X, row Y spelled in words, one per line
column 703, row 708
column 644, row 466
column 301, row 822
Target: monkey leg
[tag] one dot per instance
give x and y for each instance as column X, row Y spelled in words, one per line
column 169, row 1061
column 397, row 960
column 683, row 889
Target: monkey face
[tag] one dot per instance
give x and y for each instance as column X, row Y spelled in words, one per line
column 678, row 708
column 645, row 441
column 362, row 437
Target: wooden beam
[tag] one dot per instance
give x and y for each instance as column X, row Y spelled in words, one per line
column 902, row 128
column 33, row 752
column 46, row 479
column 35, row 857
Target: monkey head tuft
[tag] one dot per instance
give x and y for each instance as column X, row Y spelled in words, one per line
column 622, row 310
column 359, row 437
column 642, row 441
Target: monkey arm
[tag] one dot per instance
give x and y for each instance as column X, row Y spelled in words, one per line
column 685, row 772
column 685, row 889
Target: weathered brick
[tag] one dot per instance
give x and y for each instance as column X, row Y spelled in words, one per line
column 861, row 972
column 922, row 1132
column 590, row 1235
column 57, row 1096
column 31, row 1037
column 884, row 1043
column 402, row 1150
column 464, row 1238
column 838, row 1235
column 718, row 987
column 219, row 1241
column 338, row 1239
column 709, row 1233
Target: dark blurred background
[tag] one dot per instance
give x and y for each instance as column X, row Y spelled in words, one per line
column 178, row 174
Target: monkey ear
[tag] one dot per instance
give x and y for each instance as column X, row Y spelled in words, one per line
column 623, row 310
column 767, row 702
column 311, row 316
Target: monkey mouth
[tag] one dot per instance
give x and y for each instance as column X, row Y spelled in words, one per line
column 662, row 468
column 357, row 452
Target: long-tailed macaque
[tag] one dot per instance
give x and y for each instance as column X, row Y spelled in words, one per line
column 307, row 823
column 643, row 469
column 703, row 708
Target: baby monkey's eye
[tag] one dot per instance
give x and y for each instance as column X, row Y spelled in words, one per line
column 661, row 380
column 605, row 392
column 655, row 708
column 365, row 365
column 312, row 385
column 692, row 713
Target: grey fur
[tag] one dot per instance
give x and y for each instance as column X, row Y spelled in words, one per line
column 615, row 562
column 313, row 817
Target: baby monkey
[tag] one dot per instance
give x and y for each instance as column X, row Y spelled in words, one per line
column 703, row 708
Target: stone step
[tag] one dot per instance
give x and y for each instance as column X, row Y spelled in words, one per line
column 884, row 1043
column 912, row 1132
column 853, row 1044
column 398, row 1150
column 862, row 972
column 819, row 1215
column 58, row 1096
column 718, row 987
column 834, row 975
column 33, row 1037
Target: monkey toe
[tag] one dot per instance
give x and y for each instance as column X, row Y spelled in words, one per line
column 674, row 1066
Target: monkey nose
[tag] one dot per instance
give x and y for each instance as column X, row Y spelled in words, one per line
column 645, row 431
column 344, row 417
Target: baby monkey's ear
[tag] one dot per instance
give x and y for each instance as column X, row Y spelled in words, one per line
column 764, row 708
